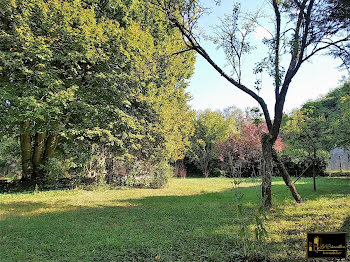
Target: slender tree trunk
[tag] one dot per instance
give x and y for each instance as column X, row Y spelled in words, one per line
column 39, row 147
column 26, row 152
column 205, row 164
column 340, row 165
column 206, row 173
column 231, row 165
column 314, row 169
column 181, row 168
column 286, row 178
column 267, row 171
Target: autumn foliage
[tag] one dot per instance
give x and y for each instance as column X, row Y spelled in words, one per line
column 244, row 150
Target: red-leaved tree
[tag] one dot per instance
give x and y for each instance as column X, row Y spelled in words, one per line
column 244, row 150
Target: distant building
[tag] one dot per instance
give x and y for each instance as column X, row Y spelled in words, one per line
column 340, row 159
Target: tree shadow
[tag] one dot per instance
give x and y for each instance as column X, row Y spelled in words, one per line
column 31, row 208
column 201, row 227
column 323, row 211
column 326, row 188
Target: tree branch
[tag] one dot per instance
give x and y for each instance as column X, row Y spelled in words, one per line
column 294, row 65
column 182, row 51
column 277, row 47
column 325, row 47
column 196, row 46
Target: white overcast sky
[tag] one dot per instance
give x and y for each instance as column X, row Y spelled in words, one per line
column 209, row 90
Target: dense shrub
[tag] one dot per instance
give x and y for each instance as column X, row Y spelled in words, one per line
column 191, row 168
column 305, row 165
column 10, row 162
column 161, row 174
column 139, row 173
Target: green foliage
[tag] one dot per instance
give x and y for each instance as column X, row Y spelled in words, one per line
column 10, row 164
column 94, row 72
column 161, row 174
column 144, row 174
column 306, row 133
column 319, row 125
column 334, row 108
column 297, row 165
column 211, row 128
column 342, row 122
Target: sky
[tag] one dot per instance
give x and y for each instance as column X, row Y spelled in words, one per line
column 210, row 90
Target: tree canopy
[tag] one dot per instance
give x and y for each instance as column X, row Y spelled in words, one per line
column 322, row 124
column 211, row 128
column 77, row 72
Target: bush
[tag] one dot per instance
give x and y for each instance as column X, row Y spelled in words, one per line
column 338, row 173
column 161, row 174
column 10, row 160
column 139, row 173
column 296, row 169
column 191, row 168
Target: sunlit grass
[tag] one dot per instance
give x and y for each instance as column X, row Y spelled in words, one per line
column 189, row 220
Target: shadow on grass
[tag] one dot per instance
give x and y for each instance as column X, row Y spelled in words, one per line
column 199, row 227
column 323, row 211
column 30, row 208
column 326, row 188
column 163, row 228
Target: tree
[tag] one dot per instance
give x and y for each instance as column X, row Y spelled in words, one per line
column 9, row 157
column 211, row 128
column 72, row 76
column 305, row 35
column 306, row 131
column 331, row 116
column 340, row 118
column 243, row 149
column 338, row 12
column 319, row 126
column 49, row 51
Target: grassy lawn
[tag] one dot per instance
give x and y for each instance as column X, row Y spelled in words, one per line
column 189, row 220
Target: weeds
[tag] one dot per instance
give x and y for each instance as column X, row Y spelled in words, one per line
column 250, row 246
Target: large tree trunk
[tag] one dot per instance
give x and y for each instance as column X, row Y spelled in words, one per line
column 267, row 170
column 39, row 147
column 35, row 152
column 286, row 178
column 26, row 152
column 51, row 145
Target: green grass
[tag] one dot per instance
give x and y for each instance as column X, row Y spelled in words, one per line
column 190, row 220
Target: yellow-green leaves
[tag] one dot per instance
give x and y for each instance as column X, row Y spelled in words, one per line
column 92, row 73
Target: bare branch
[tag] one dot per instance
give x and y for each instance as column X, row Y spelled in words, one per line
column 248, row 91
column 182, row 51
column 298, row 50
column 335, row 44
column 277, row 48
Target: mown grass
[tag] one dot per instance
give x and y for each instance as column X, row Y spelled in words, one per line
column 189, row 220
